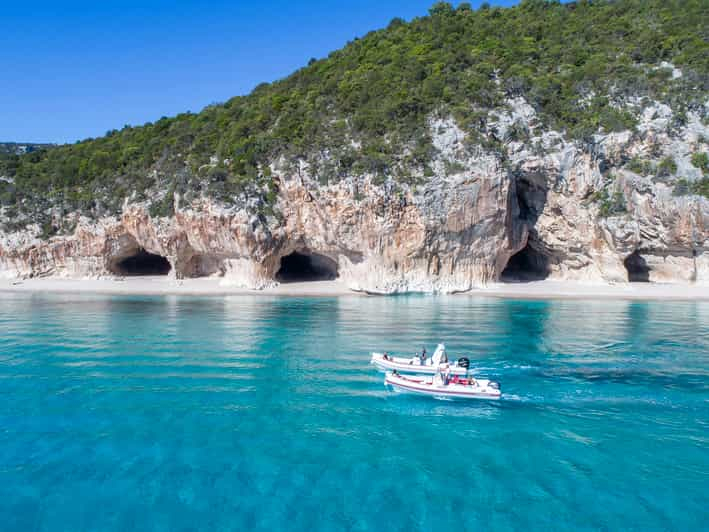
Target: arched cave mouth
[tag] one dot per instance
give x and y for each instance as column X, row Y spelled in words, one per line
column 304, row 266
column 142, row 263
column 526, row 265
column 638, row 270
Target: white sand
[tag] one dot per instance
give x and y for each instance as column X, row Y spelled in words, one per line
column 158, row 285
column 580, row 290
column 534, row 290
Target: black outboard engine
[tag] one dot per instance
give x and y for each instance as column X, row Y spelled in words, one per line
column 463, row 363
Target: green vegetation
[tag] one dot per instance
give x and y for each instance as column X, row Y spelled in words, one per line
column 610, row 204
column 666, row 168
column 379, row 91
column 700, row 160
column 640, row 166
column 699, row 187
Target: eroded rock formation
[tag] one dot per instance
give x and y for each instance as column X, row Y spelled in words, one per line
column 531, row 212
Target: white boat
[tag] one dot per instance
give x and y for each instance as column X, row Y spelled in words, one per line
column 453, row 387
column 414, row 364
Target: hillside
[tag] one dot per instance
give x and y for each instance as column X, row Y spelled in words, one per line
column 507, row 116
column 364, row 109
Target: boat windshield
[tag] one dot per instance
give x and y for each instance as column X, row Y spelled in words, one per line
column 439, row 356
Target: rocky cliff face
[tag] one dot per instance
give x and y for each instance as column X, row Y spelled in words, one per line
column 540, row 206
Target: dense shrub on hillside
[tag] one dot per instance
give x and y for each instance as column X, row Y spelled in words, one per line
column 700, row 159
column 666, row 168
column 610, row 203
column 699, row 187
column 640, row 166
column 364, row 108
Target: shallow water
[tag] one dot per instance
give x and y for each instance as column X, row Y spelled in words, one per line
column 256, row 413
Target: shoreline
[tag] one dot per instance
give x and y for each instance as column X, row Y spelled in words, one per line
column 158, row 285
column 550, row 289
column 547, row 289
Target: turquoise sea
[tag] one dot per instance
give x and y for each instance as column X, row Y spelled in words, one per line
column 260, row 413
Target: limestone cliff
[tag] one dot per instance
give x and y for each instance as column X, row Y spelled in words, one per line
column 542, row 206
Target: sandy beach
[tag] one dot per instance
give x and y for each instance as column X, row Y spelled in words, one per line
column 160, row 285
column 209, row 286
column 579, row 290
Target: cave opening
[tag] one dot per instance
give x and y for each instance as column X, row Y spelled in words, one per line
column 142, row 263
column 304, row 266
column 528, row 264
column 531, row 192
column 638, row 270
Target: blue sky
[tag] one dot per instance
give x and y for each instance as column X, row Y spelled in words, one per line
column 75, row 69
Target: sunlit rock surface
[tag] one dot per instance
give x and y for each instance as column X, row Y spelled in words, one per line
column 457, row 230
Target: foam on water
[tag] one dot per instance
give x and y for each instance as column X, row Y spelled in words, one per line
column 241, row 413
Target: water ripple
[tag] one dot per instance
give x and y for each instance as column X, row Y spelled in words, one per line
column 250, row 412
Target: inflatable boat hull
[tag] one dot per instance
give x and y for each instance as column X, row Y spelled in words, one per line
column 411, row 365
column 455, row 389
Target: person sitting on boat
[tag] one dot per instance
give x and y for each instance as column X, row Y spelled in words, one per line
column 385, row 356
column 416, row 360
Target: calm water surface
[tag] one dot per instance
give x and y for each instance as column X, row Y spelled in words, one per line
column 170, row 413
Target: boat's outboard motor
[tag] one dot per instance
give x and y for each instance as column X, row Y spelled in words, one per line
column 463, row 363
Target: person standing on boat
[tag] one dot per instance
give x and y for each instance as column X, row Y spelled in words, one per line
column 423, row 356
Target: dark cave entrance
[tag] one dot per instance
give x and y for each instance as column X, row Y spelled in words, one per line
column 303, row 266
column 142, row 263
column 529, row 264
column 638, row 269
column 533, row 261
